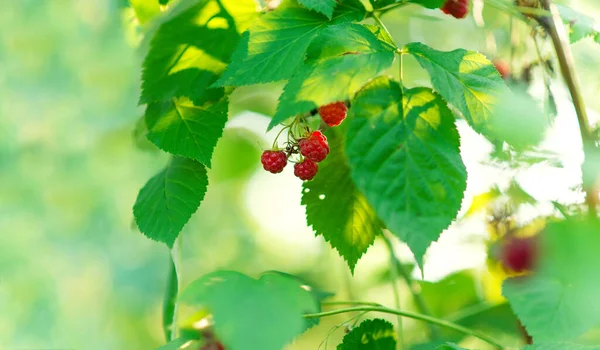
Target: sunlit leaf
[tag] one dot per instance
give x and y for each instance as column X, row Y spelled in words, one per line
column 580, row 25
column 323, row 6
column 376, row 334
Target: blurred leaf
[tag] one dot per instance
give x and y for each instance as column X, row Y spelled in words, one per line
column 403, row 151
column 166, row 203
column 376, row 334
column 183, row 129
column 336, row 209
column 247, row 312
column 175, row 344
column 145, row 10
column 163, row 2
column 591, row 167
column 236, row 156
column 341, row 59
column 580, row 25
column 493, row 319
column 466, row 79
column 559, row 302
column 190, row 50
column 517, row 120
column 450, row 346
column 431, row 4
column 276, row 44
column 139, row 136
column 518, row 195
column 458, row 289
column 170, row 300
column 323, row 6
column 482, row 201
column 561, row 346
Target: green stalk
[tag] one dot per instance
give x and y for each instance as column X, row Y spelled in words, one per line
column 394, row 282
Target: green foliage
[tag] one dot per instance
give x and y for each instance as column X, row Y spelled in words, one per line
column 325, row 7
column 450, row 346
column 376, row 334
column 431, row 4
column 166, row 203
column 403, row 150
column 340, row 60
column 460, row 291
column 275, row 46
column 558, row 303
column 247, row 312
column 465, row 79
column 175, row 344
column 182, row 128
column 170, row 301
column 580, row 26
column 336, row 209
column 561, row 346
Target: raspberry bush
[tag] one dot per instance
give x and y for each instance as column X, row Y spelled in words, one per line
column 379, row 157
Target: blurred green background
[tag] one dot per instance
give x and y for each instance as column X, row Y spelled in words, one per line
column 74, row 271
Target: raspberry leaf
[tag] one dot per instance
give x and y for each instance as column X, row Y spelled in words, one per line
column 247, row 312
column 580, row 26
column 183, row 129
column 431, row 4
column 403, row 150
column 323, row 6
column 276, row 44
column 559, row 302
column 188, row 52
column 376, row 334
column 465, row 79
column 166, row 203
column 336, row 209
column 340, row 61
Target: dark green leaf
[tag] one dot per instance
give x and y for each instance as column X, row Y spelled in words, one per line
column 403, row 149
column 183, row 129
column 190, row 50
column 248, row 312
column 376, row 334
column 323, row 6
column 559, row 302
column 336, row 209
column 163, row 2
column 431, row 4
column 276, row 44
column 341, row 59
column 169, row 199
column 465, row 79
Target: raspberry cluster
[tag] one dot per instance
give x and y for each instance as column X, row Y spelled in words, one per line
column 456, row 8
column 304, row 147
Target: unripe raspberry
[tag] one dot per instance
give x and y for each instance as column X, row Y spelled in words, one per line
column 456, row 8
column 333, row 114
column 519, row 254
column 306, row 170
column 273, row 161
column 314, row 147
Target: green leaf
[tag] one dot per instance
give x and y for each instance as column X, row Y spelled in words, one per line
column 430, row 4
column 336, row 209
column 580, row 26
column 166, row 203
column 561, row 346
column 276, row 44
column 459, row 290
column 190, row 50
column 376, row 334
column 247, row 312
column 341, row 60
column 163, row 2
column 403, row 150
column 180, row 128
column 145, row 10
column 170, row 300
column 450, row 346
column 465, row 79
column 325, row 7
column 559, row 302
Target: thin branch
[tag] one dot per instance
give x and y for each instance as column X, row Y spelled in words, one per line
column 394, row 282
column 562, row 47
column 412, row 315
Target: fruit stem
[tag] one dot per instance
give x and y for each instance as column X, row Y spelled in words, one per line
column 413, row 287
column 416, row 316
column 562, row 47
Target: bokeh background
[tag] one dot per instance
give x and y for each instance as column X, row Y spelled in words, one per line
column 74, row 271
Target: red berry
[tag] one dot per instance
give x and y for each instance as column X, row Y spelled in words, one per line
column 333, row 114
column 213, row 346
column 519, row 254
column 274, row 161
column 314, row 147
column 456, row 8
column 503, row 68
column 306, row 170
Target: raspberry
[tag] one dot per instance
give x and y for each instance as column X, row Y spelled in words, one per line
column 519, row 254
column 314, row 147
column 502, row 68
column 213, row 346
column 456, row 8
column 274, row 161
column 306, row 170
column 333, row 114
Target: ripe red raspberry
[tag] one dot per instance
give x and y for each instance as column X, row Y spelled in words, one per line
column 519, row 254
column 503, row 68
column 315, row 147
column 333, row 114
column 306, row 170
column 456, row 8
column 274, row 161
